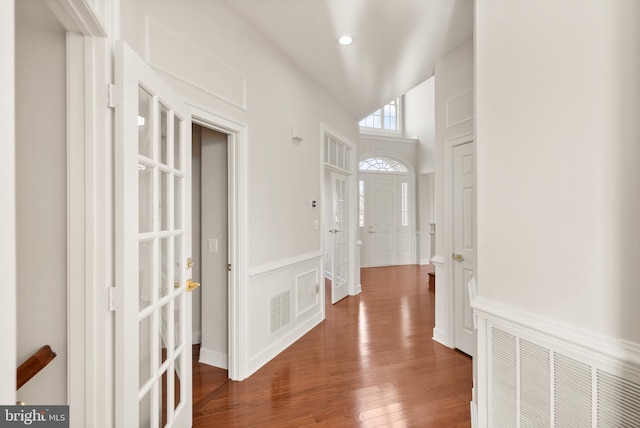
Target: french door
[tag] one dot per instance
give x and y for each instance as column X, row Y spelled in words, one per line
column 340, row 233
column 153, row 249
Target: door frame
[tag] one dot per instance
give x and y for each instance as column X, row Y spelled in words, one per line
column 444, row 330
column 354, row 276
column 8, row 308
column 237, row 218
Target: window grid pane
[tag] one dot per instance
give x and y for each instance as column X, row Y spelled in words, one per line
column 385, row 118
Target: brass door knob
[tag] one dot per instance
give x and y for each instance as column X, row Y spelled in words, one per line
column 192, row 285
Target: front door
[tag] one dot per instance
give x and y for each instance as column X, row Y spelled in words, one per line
column 464, row 242
column 153, row 249
column 382, row 214
column 340, row 233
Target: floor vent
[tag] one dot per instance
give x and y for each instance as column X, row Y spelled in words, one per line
column 280, row 311
column 532, row 385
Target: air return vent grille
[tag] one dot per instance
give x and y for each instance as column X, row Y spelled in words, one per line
column 280, row 311
column 618, row 402
column 532, row 385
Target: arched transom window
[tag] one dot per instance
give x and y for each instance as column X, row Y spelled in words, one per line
column 382, row 164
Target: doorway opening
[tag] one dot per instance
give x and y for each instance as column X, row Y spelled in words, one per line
column 210, row 243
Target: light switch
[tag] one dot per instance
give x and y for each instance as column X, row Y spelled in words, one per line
column 212, row 245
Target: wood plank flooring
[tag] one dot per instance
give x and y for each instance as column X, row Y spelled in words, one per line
column 371, row 363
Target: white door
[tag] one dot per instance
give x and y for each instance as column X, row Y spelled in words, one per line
column 382, row 214
column 464, row 242
column 153, row 249
column 340, row 234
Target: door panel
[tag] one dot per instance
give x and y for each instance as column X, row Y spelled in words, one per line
column 464, row 241
column 153, row 232
column 382, row 219
column 340, row 233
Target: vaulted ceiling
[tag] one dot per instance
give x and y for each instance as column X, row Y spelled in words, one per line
column 397, row 42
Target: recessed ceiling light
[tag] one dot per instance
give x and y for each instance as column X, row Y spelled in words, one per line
column 346, row 40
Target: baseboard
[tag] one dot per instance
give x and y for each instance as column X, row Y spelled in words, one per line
column 358, row 289
column 196, row 337
column 283, row 343
column 214, row 358
column 328, row 275
column 440, row 336
column 425, row 262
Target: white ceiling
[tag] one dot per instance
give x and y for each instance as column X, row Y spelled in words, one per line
column 397, row 42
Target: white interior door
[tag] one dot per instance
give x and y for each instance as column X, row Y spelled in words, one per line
column 464, row 242
column 153, row 249
column 340, row 234
column 382, row 213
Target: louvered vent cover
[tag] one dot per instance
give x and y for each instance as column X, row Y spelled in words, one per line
column 572, row 385
column 618, row 402
column 280, row 311
column 535, row 390
column 503, row 380
column 533, row 386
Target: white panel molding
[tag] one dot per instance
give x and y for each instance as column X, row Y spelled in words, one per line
column 214, row 358
column 314, row 273
column 269, row 268
column 279, row 345
column 229, row 85
column 459, row 109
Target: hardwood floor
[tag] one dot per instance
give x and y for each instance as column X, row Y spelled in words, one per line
column 371, row 363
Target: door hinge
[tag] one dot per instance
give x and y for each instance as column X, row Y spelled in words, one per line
column 113, row 96
column 113, row 299
column 228, row 267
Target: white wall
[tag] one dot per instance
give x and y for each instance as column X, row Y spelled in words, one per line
column 454, row 118
column 214, row 264
column 41, row 201
column 7, row 200
column 558, row 101
column 419, row 122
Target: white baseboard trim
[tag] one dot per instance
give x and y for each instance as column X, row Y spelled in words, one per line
column 440, row 336
column 214, row 358
column 328, row 275
column 283, row 343
column 358, row 289
column 425, row 261
column 196, row 337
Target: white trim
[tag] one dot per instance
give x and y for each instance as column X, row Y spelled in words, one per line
column 214, row 358
column 283, row 264
column 8, row 306
column 388, row 138
column 238, row 278
column 79, row 279
column 438, row 260
column 78, row 16
column 575, row 340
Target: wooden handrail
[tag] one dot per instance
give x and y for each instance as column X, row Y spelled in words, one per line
column 33, row 365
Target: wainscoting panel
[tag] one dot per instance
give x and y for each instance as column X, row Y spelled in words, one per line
column 543, row 374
